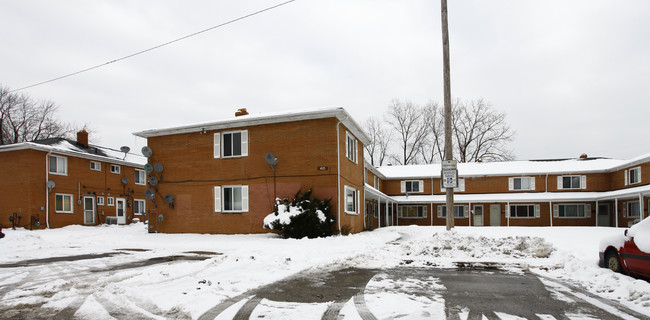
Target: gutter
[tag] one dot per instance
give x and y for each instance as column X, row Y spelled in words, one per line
column 47, row 190
column 338, row 174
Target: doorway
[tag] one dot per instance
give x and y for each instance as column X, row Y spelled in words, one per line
column 495, row 215
column 478, row 215
column 603, row 215
column 120, row 210
column 89, row 210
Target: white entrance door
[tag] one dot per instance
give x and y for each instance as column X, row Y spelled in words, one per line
column 495, row 215
column 120, row 210
column 89, row 210
column 478, row 215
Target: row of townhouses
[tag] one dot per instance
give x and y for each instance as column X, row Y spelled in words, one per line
column 223, row 177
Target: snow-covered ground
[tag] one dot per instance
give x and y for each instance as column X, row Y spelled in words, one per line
column 234, row 264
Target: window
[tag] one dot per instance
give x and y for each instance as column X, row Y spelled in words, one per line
column 138, row 206
column 412, row 186
column 633, row 209
column 231, row 144
column 100, row 201
column 460, row 188
column 633, row 176
column 140, row 177
column 413, row 212
column 571, row 182
column 351, row 200
column 459, row 211
column 115, row 169
column 572, row 210
column 231, row 199
column 521, row 183
column 376, row 185
column 351, row 147
column 523, row 210
column 63, row 203
column 95, row 166
column 110, row 201
column 58, row 165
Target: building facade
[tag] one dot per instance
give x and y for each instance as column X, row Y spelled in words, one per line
column 58, row 182
column 217, row 178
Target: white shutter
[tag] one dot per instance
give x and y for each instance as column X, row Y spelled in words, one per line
column 588, row 210
column 638, row 175
column 347, row 147
column 461, row 185
column 217, row 145
column 358, row 202
column 466, row 211
column 559, row 182
column 244, row 198
column 511, row 184
column 356, row 151
column 403, row 187
column 420, row 185
column 217, row 199
column 244, row 143
column 583, row 182
column 424, row 211
column 507, row 210
column 440, row 211
column 532, row 183
column 626, row 181
column 556, row 211
column 537, row 210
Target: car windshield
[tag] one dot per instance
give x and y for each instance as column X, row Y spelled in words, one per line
column 641, row 234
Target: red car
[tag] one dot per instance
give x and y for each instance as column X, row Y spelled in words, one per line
column 629, row 252
column 2, row 235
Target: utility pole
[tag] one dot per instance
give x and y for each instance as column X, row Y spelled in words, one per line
column 447, row 93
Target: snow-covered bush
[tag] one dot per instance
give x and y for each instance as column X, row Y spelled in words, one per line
column 304, row 216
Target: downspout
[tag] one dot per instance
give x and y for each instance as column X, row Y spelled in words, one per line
column 550, row 211
column 47, row 190
column 616, row 211
column 546, row 184
column 338, row 174
column 469, row 215
column 641, row 208
column 597, row 213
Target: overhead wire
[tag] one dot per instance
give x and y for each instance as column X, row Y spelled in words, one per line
column 158, row 46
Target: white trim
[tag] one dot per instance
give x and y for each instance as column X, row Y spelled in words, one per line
column 100, row 200
column 636, row 172
column 586, row 208
column 63, row 196
column 244, row 198
column 95, row 165
column 243, row 144
column 60, row 170
column 110, row 201
column 217, row 198
column 534, row 212
column 355, row 193
column 143, row 206
column 217, row 145
column 115, row 169
column 352, row 153
column 143, row 174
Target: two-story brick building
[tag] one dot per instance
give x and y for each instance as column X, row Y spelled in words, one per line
column 216, row 178
column 58, row 182
column 565, row 192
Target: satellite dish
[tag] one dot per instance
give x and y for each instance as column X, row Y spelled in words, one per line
column 153, row 181
column 148, row 168
column 158, row 167
column 125, row 180
column 125, row 149
column 51, row 184
column 149, row 194
column 169, row 198
column 271, row 159
column 146, row 151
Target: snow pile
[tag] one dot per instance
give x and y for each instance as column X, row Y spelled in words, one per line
column 470, row 247
column 285, row 213
column 641, row 234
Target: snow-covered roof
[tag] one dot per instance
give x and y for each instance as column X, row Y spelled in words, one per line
column 72, row 148
column 265, row 118
column 508, row 168
column 524, row 196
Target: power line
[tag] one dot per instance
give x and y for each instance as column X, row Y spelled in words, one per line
column 156, row 47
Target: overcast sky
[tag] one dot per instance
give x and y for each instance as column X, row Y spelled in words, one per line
column 572, row 76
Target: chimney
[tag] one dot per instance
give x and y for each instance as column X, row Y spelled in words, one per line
column 583, row 156
column 241, row 112
column 82, row 138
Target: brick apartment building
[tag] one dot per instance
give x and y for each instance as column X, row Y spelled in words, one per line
column 58, row 182
column 217, row 180
column 220, row 181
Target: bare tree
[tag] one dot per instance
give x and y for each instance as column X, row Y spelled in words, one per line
column 23, row 119
column 380, row 138
column 408, row 120
column 432, row 148
column 480, row 132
